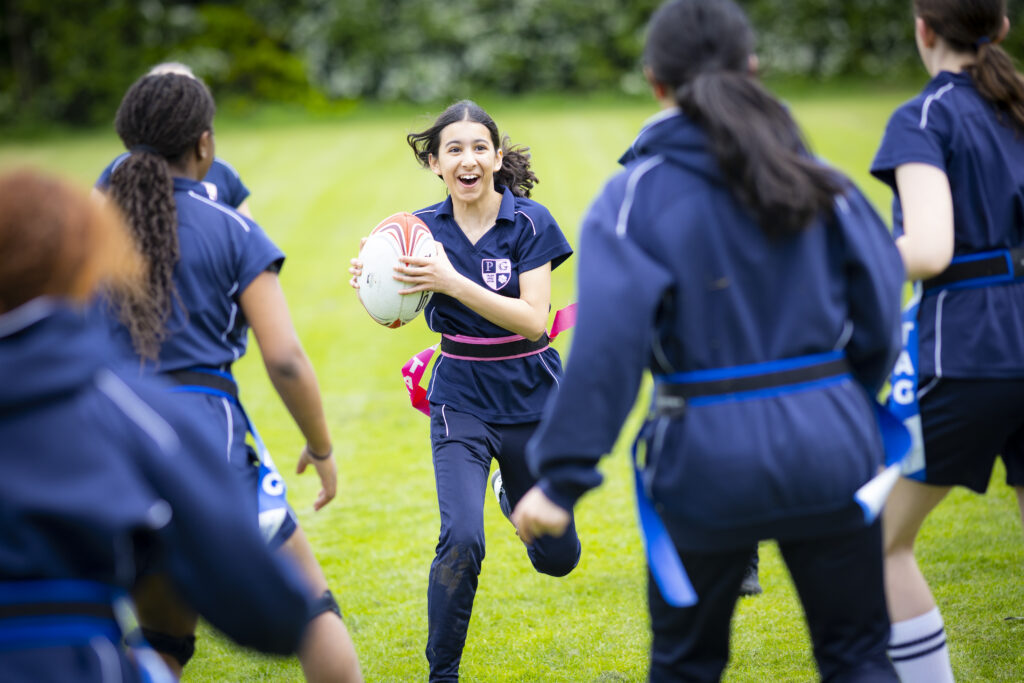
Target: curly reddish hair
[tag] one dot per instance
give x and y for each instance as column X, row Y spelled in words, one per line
column 57, row 241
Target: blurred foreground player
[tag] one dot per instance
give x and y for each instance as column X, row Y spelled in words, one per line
column 104, row 479
column 762, row 291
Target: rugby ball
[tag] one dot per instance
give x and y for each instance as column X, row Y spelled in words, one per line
column 399, row 235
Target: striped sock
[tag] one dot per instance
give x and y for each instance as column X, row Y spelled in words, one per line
column 917, row 648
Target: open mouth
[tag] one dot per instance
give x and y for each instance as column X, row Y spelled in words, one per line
column 468, row 179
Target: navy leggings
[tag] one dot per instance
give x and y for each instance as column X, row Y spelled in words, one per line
column 839, row 580
column 463, row 446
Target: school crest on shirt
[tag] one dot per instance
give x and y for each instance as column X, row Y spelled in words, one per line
column 496, row 271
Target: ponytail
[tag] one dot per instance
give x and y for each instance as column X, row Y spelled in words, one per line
column 515, row 173
column 759, row 150
column 702, row 49
column 161, row 119
column 142, row 187
column 976, row 27
column 999, row 82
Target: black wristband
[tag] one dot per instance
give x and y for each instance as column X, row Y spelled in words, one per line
column 320, row 458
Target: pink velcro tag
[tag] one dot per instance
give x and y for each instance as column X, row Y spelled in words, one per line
column 412, row 373
column 564, row 319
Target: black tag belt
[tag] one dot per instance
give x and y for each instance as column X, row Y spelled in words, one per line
column 671, row 396
column 210, row 379
column 1008, row 263
column 484, row 351
column 97, row 610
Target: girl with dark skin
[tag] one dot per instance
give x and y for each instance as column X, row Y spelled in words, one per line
column 212, row 273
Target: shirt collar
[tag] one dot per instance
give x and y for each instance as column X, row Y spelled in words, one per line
column 634, row 149
column 506, row 212
column 188, row 184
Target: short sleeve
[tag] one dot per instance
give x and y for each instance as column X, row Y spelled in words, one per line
column 542, row 241
column 233, row 190
column 915, row 134
column 255, row 253
column 103, row 182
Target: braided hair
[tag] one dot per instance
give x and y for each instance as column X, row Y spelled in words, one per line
column 515, row 173
column 160, row 120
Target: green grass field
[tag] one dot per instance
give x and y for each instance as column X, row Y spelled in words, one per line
column 319, row 185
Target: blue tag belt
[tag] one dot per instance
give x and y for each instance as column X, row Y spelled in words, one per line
column 981, row 269
column 272, row 504
column 64, row 612
column 674, row 392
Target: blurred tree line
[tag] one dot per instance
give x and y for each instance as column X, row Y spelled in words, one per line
column 71, row 60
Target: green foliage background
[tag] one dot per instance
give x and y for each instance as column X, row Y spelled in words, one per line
column 70, row 61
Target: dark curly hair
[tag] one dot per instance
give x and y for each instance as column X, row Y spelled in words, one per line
column 515, row 173
column 160, row 119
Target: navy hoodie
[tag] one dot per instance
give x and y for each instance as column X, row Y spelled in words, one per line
column 675, row 274
column 103, row 479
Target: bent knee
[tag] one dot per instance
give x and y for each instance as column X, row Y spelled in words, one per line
column 895, row 544
column 556, row 564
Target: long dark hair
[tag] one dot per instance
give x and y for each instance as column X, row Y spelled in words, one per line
column 976, row 26
column 701, row 49
column 160, row 119
column 515, row 173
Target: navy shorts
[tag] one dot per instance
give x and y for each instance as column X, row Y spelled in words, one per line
column 227, row 419
column 967, row 424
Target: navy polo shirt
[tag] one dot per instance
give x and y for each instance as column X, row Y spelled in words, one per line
column 222, row 252
column 978, row 332
column 525, row 236
column 222, row 181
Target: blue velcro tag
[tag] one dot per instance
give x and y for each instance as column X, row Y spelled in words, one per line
column 902, row 401
column 271, row 502
column 666, row 567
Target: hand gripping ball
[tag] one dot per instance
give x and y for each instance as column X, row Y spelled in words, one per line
column 399, row 235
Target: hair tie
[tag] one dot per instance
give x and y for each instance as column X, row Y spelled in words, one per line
column 318, row 457
column 984, row 40
column 135, row 149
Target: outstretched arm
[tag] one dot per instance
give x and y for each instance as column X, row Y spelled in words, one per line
column 292, row 375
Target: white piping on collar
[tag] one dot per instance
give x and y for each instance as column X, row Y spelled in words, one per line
column 29, row 313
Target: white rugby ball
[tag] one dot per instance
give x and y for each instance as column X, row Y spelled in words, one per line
column 399, row 235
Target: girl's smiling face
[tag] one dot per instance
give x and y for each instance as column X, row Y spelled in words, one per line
column 466, row 161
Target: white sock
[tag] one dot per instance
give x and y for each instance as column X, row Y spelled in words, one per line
column 917, row 648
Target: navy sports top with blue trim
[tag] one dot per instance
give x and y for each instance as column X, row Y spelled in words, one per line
column 222, row 182
column 676, row 277
column 525, row 236
column 122, row 478
column 222, row 252
column 965, row 331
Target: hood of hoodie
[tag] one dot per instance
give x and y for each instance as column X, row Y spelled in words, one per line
column 47, row 350
column 672, row 135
